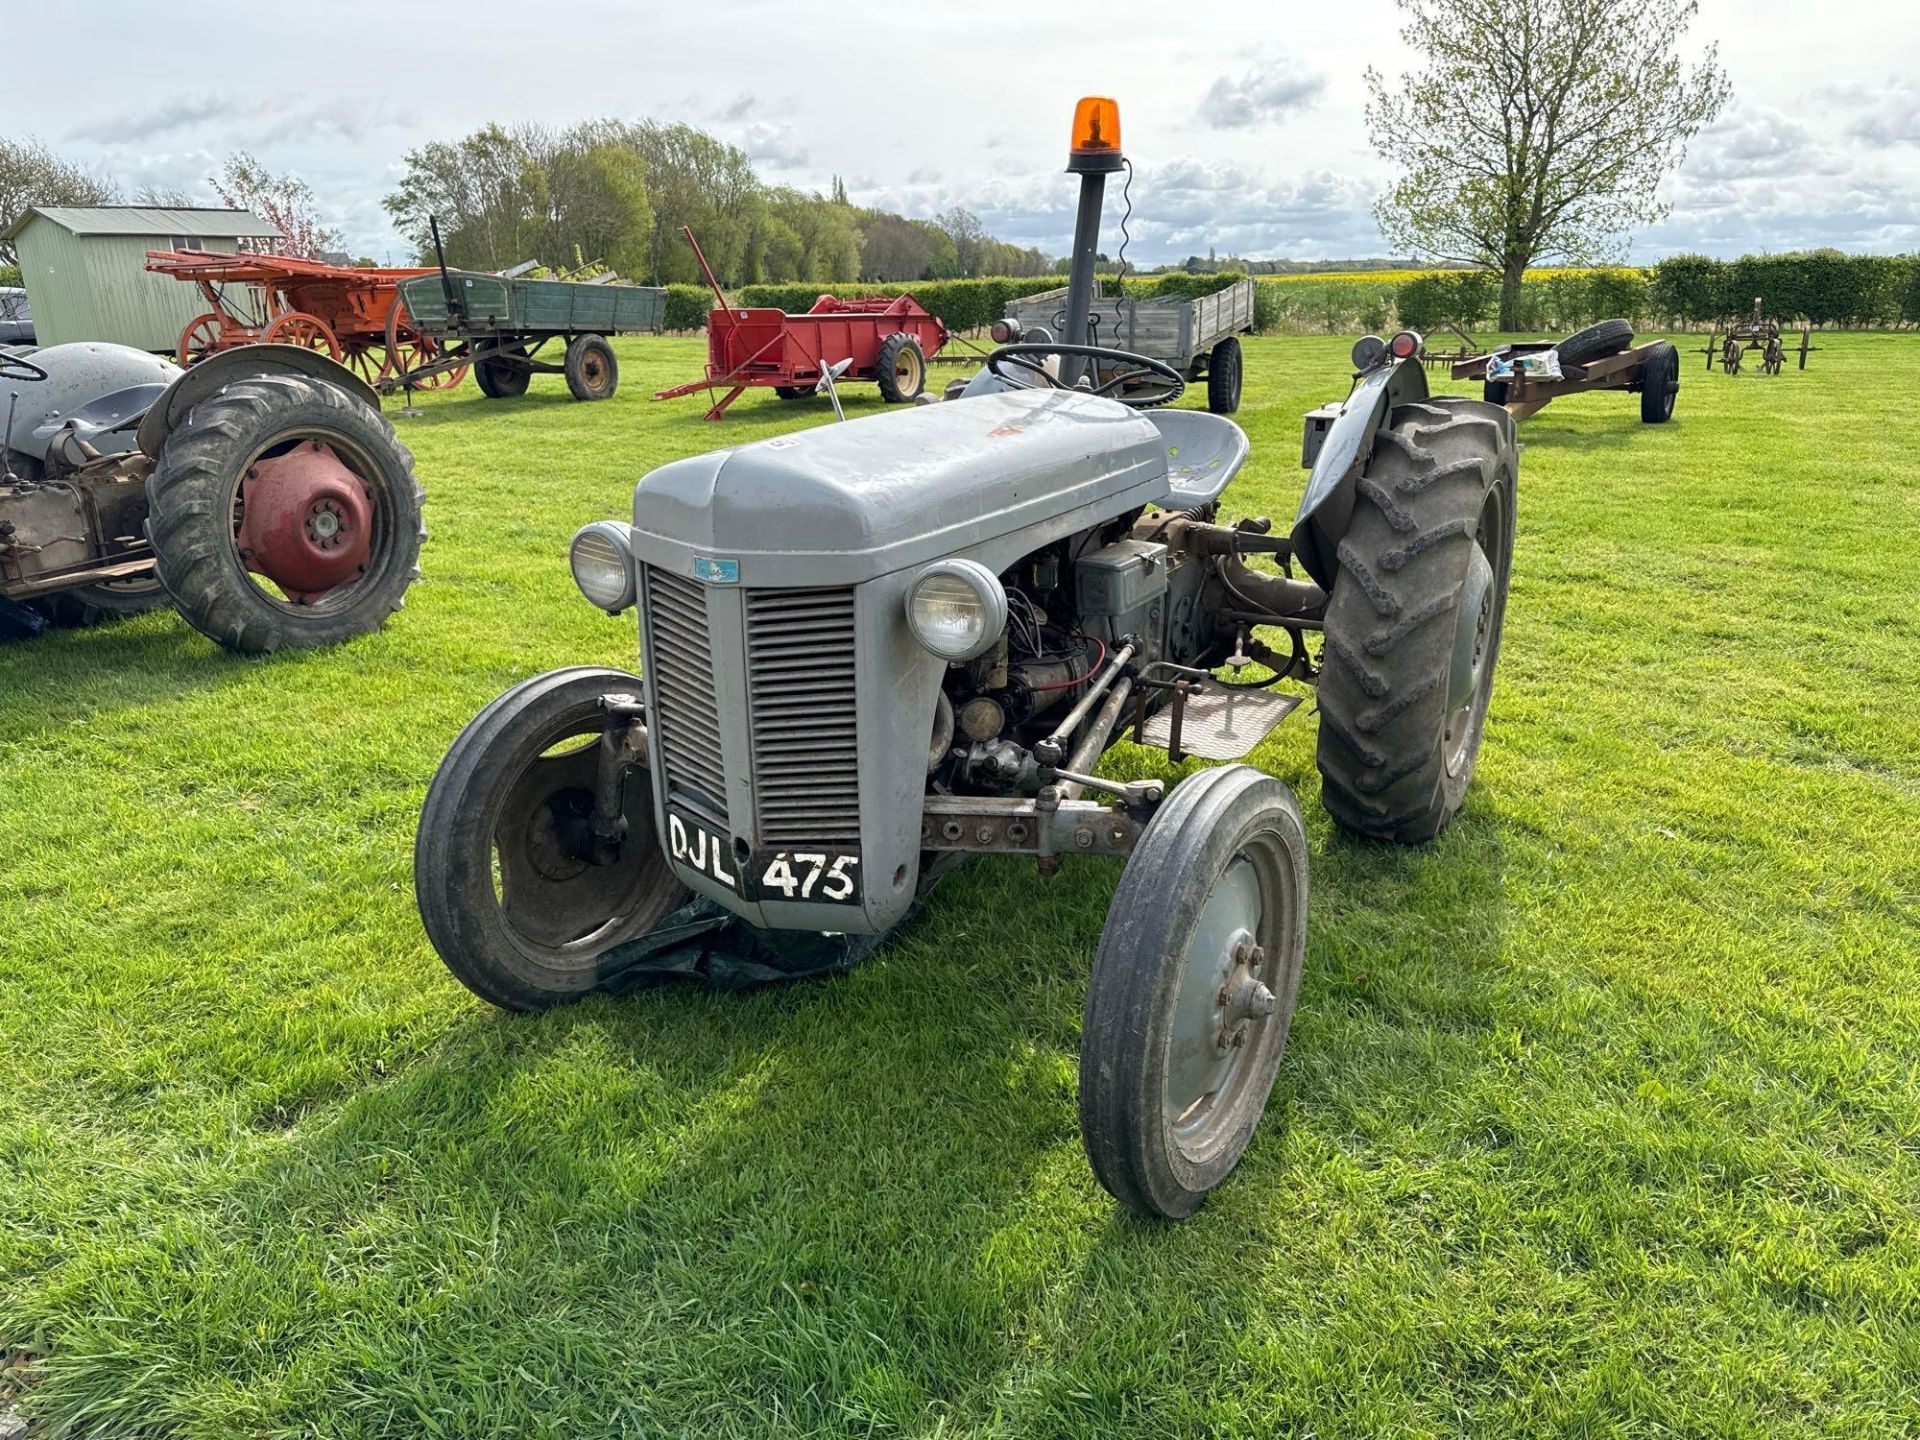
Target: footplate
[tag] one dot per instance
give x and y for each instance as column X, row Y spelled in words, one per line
column 1216, row 723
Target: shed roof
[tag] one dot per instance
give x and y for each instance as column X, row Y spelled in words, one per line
column 210, row 223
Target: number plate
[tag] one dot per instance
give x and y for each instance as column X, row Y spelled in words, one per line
column 821, row 877
column 830, row 877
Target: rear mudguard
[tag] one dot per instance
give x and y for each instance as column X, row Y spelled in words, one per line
column 1327, row 506
column 243, row 362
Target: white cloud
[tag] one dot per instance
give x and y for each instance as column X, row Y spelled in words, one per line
column 1270, row 91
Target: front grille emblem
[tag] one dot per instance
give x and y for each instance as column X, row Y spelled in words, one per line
column 716, row 572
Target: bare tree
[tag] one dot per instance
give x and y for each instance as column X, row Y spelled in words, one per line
column 31, row 174
column 1538, row 131
column 284, row 201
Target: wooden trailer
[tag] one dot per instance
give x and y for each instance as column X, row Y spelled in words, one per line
column 1651, row 371
column 1199, row 338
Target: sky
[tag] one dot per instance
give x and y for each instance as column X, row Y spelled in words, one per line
column 1244, row 120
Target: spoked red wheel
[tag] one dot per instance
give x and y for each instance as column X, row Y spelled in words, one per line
column 199, row 340
column 408, row 350
column 369, row 359
column 309, row 332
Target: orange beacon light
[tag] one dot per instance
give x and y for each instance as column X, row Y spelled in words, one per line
column 1096, row 137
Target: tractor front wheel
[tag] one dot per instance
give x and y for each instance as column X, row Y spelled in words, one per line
column 902, row 368
column 1192, row 990
column 512, row 894
column 1413, row 624
column 592, row 371
column 283, row 512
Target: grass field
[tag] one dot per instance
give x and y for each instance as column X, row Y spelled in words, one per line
column 1601, row 1115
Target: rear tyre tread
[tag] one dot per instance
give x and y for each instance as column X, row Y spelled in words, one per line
column 1383, row 692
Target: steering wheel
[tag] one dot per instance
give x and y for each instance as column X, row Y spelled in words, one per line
column 18, row 367
column 1035, row 376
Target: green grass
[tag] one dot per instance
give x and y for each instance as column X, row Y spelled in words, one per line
column 1600, row 1117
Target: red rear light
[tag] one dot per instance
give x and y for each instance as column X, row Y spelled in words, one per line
column 1404, row 346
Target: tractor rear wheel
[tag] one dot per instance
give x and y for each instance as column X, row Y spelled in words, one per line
column 1659, row 384
column 1224, row 369
column 500, row 379
column 592, row 371
column 1192, row 990
column 1413, row 624
column 516, row 905
column 901, row 368
column 283, row 512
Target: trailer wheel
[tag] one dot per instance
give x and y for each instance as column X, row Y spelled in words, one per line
column 516, row 908
column 793, row 392
column 592, row 371
column 1193, row 990
column 1413, row 625
column 902, row 368
column 1596, row 342
column 500, row 379
column 1223, row 376
column 284, row 513
column 1659, row 384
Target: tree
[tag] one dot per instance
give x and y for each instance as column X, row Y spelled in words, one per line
column 284, row 201
column 31, row 174
column 969, row 236
column 487, row 191
column 1537, row 131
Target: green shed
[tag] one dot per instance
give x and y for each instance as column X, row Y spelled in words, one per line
column 86, row 276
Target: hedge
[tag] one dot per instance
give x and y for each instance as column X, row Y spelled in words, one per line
column 1824, row 287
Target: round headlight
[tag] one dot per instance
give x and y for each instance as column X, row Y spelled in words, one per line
column 602, row 561
column 957, row 609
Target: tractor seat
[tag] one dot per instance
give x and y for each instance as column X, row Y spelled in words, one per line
column 1204, row 452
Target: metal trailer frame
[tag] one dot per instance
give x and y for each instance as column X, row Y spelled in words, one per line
column 1175, row 330
column 1528, row 395
column 763, row 347
column 505, row 320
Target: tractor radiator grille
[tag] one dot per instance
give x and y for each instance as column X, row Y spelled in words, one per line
column 687, row 727
column 800, row 664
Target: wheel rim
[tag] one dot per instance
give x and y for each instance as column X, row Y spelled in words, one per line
column 325, row 541
column 556, row 903
column 906, row 370
column 309, row 332
column 1229, row 992
column 593, row 370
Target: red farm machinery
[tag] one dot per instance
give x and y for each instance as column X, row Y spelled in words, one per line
column 887, row 341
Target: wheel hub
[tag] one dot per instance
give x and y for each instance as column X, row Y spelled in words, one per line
column 306, row 521
column 1473, row 629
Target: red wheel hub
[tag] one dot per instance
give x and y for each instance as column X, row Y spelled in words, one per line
column 306, row 521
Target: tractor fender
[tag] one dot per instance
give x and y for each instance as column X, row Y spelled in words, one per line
column 243, row 362
column 1327, row 506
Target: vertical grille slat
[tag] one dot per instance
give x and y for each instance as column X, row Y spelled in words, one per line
column 687, row 724
column 800, row 678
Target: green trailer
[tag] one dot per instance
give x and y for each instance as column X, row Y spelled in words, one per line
column 498, row 324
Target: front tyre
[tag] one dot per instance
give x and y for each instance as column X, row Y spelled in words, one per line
column 1193, row 990
column 507, row 889
column 901, row 369
column 1413, row 625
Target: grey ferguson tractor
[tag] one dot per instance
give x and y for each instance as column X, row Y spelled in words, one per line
column 260, row 492
column 876, row 648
